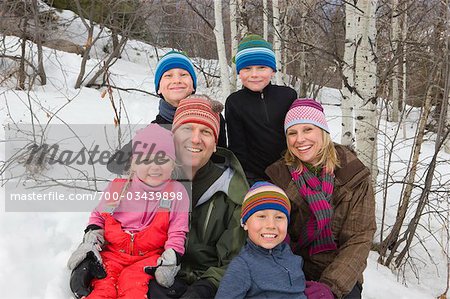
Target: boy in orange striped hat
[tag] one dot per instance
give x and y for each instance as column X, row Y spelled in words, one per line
column 266, row 266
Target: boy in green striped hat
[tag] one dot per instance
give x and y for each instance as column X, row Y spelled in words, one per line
column 255, row 114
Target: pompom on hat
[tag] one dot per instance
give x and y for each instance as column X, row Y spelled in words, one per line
column 264, row 196
column 173, row 60
column 306, row 111
column 199, row 109
column 254, row 50
column 154, row 139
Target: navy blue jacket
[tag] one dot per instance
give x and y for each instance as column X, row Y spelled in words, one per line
column 255, row 127
column 262, row 273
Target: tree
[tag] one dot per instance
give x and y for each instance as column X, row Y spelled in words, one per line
column 348, row 75
column 359, row 74
column 277, row 41
column 218, row 32
column 38, row 40
column 395, row 49
column 265, row 20
column 365, row 85
column 234, row 42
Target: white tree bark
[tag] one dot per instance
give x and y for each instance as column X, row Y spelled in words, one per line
column 234, row 42
column 348, row 71
column 365, row 84
column 218, row 32
column 404, row 90
column 277, row 41
column 395, row 34
column 265, row 20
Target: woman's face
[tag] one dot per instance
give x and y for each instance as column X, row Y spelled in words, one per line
column 305, row 141
column 194, row 144
column 175, row 85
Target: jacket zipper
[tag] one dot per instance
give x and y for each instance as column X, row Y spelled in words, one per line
column 265, row 107
column 208, row 215
column 285, row 269
column 131, row 244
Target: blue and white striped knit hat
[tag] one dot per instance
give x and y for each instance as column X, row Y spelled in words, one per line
column 254, row 50
column 173, row 60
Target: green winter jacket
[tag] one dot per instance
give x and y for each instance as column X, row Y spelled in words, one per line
column 215, row 236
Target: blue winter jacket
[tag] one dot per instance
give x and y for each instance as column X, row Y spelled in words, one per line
column 263, row 273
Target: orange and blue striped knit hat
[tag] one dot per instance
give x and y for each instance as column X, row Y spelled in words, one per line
column 264, row 196
column 199, row 109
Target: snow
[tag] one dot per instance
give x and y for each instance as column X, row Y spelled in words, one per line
column 35, row 246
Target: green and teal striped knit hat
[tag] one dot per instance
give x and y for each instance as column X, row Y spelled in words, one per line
column 254, row 50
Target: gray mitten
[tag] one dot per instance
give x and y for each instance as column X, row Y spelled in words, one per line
column 167, row 269
column 93, row 240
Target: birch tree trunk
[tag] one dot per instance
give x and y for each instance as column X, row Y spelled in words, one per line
column 348, row 76
column 265, row 20
column 234, row 42
column 404, row 36
column 243, row 19
column 277, row 40
column 365, row 84
column 395, row 33
column 218, row 32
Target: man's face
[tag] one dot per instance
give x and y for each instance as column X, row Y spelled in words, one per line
column 194, row 144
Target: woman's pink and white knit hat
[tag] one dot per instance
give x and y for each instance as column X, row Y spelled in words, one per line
column 306, row 111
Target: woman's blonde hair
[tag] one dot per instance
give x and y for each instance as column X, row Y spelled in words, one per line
column 327, row 155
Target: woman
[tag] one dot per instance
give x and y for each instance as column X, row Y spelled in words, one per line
column 175, row 80
column 333, row 206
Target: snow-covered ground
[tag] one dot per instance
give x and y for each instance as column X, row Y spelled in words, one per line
column 34, row 246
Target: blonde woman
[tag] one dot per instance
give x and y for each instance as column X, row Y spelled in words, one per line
column 333, row 206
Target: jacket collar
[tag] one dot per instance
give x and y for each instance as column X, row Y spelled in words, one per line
column 264, row 91
column 274, row 251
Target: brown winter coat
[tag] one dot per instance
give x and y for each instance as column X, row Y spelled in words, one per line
column 353, row 222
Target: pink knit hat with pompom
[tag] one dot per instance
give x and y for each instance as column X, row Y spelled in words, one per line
column 306, row 111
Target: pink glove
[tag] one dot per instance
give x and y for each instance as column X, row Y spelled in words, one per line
column 318, row 290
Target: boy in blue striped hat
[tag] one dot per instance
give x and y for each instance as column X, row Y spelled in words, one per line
column 175, row 80
column 255, row 114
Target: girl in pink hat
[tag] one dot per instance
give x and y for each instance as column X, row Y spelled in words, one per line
column 137, row 232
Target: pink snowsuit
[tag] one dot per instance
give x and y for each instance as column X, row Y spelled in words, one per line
column 136, row 234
